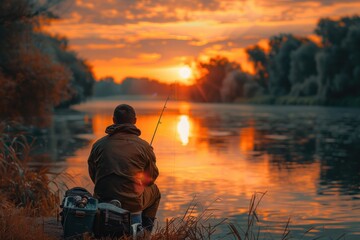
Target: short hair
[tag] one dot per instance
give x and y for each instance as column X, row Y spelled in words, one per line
column 124, row 113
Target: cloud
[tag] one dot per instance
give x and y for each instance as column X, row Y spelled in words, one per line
column 158, row 34
column 125, row 11
column 122, row 12
column 274, row 3
column 97, row 46
column 149, row 57
column 304, row 10
column 85, row 4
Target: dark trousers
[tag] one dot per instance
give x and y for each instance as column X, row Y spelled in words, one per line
column 151, row 200
column 108, row 189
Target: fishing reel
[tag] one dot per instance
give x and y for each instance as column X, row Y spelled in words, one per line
column 80, row 201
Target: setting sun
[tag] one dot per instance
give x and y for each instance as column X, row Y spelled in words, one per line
column 185, row 72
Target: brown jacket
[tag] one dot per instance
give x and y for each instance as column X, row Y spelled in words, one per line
column 124, row 154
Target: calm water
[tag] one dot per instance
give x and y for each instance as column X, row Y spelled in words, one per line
column 306, row 159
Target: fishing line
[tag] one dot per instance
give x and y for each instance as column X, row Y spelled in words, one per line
column 159, row 121
column 157, row 126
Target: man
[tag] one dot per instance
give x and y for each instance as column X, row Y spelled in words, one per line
column 123, row 167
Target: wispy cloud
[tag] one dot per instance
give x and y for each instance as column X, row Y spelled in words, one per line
column 162, row 34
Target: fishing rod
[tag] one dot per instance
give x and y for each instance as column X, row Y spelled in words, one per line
column 159, row 121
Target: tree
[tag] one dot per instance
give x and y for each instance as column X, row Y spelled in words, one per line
column 338, row 61
column 208, row 87
column 12, row 11
column 281, row 48
column 36, row 79
column 238, row 84
column 332, row 32
column 303, row 70
column 106, row 87
column 260, row 59
column 143, row 86
column 82, row 79
column 32, row 84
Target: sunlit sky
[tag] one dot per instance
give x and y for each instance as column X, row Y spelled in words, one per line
column 157, row 38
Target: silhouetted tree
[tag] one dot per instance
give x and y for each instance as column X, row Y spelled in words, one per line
column 258, row 56
column 303, row 71
column 143, row 86
column 106, row 87
column 338, row 61
column 238, row 84
column 12, row 11
column 333, row 32
column 208, row 87
column 281, row 48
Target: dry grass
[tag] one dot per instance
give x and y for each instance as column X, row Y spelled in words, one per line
column 16, row 225
column 196, row 223
column 20, row 185
column 24, row 192
column 252, row 229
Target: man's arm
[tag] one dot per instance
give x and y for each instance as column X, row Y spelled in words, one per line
column 151, row 170
column 92, row 165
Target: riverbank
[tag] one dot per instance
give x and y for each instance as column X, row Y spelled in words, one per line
column 305, row 101
column 259, row 100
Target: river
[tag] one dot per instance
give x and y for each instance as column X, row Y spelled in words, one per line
column 305, row 160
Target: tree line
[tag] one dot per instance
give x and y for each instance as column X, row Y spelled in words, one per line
column 291, row 70
column 130, row 86
column 38, row 72
column 293, row 67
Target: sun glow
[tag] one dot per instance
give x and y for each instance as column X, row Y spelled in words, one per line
column 185, row 72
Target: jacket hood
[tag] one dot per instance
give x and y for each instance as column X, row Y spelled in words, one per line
column 123, row 128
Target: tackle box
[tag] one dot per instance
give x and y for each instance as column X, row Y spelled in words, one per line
column 78, row 220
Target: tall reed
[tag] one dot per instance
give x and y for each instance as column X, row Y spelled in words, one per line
column 20, row 185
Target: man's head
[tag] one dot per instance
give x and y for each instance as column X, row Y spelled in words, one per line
column 124, row 113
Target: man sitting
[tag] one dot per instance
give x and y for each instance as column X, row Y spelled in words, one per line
column 123, row 167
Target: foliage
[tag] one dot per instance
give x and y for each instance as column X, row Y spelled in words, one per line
column 303, row 70
column 106, row 87
column 297, row 67
column 143, row 86
column 338, row 62
column 208, row 87
column 238, row 84
column 281, row 48
column 258, row 56
column 32, row 84
column 37, row 72
column 26, row 11
column 81, row 78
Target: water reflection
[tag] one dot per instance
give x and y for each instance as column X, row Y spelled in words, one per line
column 183, row 129
column 247, row 139
column 305, row 158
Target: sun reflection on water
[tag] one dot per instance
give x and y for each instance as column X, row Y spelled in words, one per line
column 183, row 128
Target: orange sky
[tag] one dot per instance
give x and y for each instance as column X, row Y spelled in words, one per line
column 155, row 38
